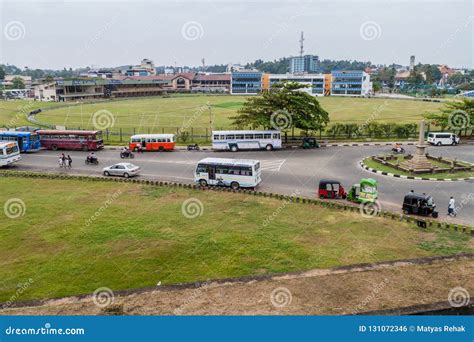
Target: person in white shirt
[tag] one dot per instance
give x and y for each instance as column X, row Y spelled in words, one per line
column 451, row 206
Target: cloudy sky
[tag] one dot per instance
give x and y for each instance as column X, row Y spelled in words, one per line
column 57, row 34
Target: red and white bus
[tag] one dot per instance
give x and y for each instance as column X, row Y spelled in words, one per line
column 71, row 140
column 152, row 142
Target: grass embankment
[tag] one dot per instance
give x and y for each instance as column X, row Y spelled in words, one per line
column 141, row 237
column 387, row 168
column 155, row 113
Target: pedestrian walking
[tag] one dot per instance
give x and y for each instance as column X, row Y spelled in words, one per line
column 60, row 162
column 69, row 161
column 451, row 207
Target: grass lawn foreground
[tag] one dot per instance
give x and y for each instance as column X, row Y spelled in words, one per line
column 139, row 237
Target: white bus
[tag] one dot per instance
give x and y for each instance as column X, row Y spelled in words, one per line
column 439, row 139
column 236, row 173
column 246, row 140
column 9, row 153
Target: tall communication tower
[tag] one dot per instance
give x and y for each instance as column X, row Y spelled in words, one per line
column 301, row 44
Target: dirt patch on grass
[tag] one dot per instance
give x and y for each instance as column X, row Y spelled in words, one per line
column 338, row 291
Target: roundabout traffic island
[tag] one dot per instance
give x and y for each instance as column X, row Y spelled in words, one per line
column 419, row 165
column 440, row 169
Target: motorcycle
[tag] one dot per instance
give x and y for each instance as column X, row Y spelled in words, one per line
column 193, row 147
column 398, row 151
column 93, row 161
column 124, row 155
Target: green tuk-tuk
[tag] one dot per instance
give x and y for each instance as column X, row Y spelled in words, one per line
column 309, row 142
column 364, row 192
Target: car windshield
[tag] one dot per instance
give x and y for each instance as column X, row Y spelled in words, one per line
column 129, row 166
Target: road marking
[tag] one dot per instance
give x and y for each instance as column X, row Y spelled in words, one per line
column 272, row 165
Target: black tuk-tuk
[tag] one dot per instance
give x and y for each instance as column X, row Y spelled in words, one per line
column 417, row 204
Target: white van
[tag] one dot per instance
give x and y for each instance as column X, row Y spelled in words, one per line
column 439, row 139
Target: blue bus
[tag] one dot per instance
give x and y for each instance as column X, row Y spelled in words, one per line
column 27, row 141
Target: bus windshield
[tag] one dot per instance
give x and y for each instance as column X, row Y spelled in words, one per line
column 11, row 150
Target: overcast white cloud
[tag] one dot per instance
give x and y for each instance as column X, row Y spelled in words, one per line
column 109, row 33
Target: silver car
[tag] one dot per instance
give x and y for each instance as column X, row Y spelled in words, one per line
column 121, row 169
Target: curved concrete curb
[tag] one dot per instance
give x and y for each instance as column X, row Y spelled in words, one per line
column 361, row 163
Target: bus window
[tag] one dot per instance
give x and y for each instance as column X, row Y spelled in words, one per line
column 239, row 136
column 230, row 137
column 267, row 136
column 248, row 136
column 223, row 170
column 12, row 149
column 276, row 135
column 258, row 136
column 216, row 137
column 201, row 168
column 246, row 171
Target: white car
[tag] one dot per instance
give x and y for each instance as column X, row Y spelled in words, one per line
column 439, row 139
column 121, row 169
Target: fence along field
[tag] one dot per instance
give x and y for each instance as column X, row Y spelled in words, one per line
column 354, row 118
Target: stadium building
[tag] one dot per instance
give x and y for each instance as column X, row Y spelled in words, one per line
column 315, row 83
column 246, row 82
column 350, row 83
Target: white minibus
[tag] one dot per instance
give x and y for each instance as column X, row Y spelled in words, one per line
column 236, row 173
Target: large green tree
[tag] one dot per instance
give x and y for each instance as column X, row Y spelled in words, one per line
column 17, row 83
column 456, row 115
column 283, row 107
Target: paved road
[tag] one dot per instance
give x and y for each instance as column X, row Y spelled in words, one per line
column 288, row 171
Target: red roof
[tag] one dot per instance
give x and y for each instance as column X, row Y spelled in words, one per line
column 212, row 77
column 160, row 77
column 57, row 131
